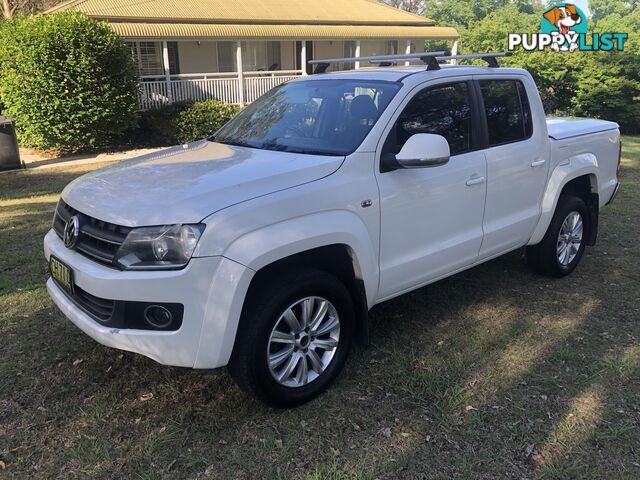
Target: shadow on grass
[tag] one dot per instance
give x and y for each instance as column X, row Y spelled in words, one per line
column 468, row 341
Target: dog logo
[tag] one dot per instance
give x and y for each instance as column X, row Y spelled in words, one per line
column 563, row 28
column 566, row 20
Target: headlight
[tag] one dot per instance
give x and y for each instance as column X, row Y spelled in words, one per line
column 156, row 248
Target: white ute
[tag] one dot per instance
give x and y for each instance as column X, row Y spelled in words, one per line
column 263, row 247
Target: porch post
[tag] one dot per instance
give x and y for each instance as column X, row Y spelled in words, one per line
column 240, row 73
column 454, row 51
column 303, row 56
column 407, row 51
column 167, row 71
column 357, row 54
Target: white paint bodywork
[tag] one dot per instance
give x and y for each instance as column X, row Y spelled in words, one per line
column 418, row 225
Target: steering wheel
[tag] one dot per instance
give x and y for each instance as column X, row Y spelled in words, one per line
column 295, row 130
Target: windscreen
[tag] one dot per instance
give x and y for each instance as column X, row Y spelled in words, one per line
column 325, row 117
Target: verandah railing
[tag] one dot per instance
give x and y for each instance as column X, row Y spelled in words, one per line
column 155, row 91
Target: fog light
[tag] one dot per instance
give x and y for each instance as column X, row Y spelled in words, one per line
column 157, row 316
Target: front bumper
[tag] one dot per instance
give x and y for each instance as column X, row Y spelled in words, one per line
column 211, row 289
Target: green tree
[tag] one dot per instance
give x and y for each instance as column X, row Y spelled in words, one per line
column 68, row 81
column 609, row 83
column 463, row 13
column 603, row 85
column 554, row 75
column 603, row 8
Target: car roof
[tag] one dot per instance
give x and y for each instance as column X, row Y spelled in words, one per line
column 412, row 73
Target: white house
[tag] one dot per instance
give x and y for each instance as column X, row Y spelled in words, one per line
column 236, row 50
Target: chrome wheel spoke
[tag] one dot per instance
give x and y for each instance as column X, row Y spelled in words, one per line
column 307, row 311
column 292, row 320
column 282, row 337
column 278, row 358
column 324, row 343
column 327, row 327
column 316, row 362
column 302, row 376
column 289, row 368
column 322, row 310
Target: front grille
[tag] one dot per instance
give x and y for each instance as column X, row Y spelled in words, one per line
column 98, row 240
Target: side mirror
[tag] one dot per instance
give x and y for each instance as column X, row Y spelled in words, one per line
column 424, row 150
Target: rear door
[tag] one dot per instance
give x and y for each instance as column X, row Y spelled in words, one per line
column 431, row 218
column 517, row 161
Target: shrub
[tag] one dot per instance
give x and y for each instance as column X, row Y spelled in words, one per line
column 203, row 119
column 159, row 127
column 68, row 81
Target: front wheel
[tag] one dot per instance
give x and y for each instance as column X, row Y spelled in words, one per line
column 561, row 249
column 294, row 337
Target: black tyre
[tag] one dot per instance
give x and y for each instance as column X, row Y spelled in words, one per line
column 562, row 246
column 294, row 337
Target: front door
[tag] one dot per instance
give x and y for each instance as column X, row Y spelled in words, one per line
column 431, row 218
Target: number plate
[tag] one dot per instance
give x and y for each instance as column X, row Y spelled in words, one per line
column 61, row 273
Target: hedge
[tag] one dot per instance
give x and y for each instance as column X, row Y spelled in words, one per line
column 183, row 122
column 203, row 119
column 159, row 127
column 68, row 81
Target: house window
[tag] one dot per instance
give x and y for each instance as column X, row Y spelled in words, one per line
column 256, row 56
column 148, row 57
column 260, row 56
column 392, row 47
column 226, row 56
column 348, row 51
column 174, row 58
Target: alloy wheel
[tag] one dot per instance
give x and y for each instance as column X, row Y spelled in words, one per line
column 570, row 238
column 303, row 341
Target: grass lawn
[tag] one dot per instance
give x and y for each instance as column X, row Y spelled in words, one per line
column 493, row 373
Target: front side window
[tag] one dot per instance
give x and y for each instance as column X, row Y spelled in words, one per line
column 507, row 110
column 325, row 117
column 443, row 110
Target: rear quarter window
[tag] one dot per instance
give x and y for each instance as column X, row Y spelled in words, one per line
column 507, row 111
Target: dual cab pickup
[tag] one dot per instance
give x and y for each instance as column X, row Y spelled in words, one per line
column 264, row 246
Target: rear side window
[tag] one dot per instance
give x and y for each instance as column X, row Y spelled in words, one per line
column 443, row 110
column 507, row 110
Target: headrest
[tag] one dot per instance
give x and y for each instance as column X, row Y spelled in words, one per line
column 362, row 107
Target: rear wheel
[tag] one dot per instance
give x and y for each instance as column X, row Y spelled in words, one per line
column 294, row 337
column 561, row 249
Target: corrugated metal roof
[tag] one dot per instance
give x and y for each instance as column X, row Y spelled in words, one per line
column 351, row 12
column 182, row 31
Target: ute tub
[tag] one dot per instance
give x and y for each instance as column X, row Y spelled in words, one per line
column 560, row 128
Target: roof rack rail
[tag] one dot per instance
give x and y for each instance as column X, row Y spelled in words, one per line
column 383, row 60
column 429, row 58
column 490, row 58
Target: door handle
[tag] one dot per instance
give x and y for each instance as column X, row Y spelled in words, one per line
column 475, row 181
column 538, row 163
